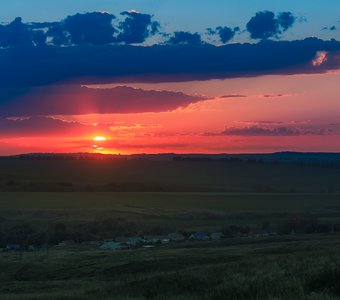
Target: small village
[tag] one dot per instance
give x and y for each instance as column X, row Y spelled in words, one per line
column 140, row 242
column 150, row 241
column 153, row 241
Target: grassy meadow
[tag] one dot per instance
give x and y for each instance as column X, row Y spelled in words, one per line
column 163, row 212
column 290, row 268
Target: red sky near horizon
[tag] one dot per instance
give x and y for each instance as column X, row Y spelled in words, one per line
column 241, row 115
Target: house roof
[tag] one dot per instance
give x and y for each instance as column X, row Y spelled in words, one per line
column 110, row 245
column 200, row 235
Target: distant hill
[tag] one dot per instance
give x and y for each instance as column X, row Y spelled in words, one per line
column 285, row 172
column 283, row 157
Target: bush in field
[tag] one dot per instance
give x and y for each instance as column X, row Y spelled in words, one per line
column 11, row 183
column 235, row 230
column 19, row 234
column 325, row 280
column 2, row 240
column 324, row 228
column 59, row 234
column 37, row 239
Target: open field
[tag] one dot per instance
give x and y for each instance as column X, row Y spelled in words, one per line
column 165, row 176
column 218, row 202
column 165, row 211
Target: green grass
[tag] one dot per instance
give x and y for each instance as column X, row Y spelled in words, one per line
column 171, row 211
column 169, row 202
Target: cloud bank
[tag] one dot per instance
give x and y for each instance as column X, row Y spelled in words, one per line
column 40, row 126
column 136, row 27
column 98, row 47
column 77, row 100
column 185, row 38
column 88, row 64
column 270, row 131
column 94, row 28
column 225, row 33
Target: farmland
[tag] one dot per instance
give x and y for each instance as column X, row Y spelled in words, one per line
column 107, row 175
column 165, row 211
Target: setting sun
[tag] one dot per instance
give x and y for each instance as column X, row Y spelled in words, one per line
column 99, row 143
column 99, row 139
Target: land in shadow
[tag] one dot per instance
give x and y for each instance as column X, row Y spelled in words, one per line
column 184, row 228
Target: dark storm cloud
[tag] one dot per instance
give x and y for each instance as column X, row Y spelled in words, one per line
column 58, row 34
column 233, row 96
column 331, row 28
column 269, row 131
column 265, row 24
column 41, row 25
column 39, row 38
column 15, row 34
column 40, row 126
column 87, row 64
column 94, row 28
column 286, row 20
column 136, row 27
column 247, row 96
column 90, row 28
column 226, row 34
column 185, row 38
column 76, row 100
column 273, row 95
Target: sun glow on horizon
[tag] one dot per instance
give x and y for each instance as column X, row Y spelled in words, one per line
column 99, row 143
column 99, row 139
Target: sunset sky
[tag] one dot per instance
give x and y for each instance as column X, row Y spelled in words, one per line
column 160, row 76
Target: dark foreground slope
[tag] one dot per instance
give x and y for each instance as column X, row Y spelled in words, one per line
column 291, row 268
column 303, row 265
